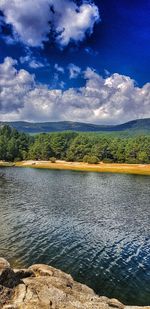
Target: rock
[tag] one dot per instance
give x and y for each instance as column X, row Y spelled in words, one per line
column 5, row 295
column 114, row 303
column 9, row 278
column 42, row 287
column 3, row 265
column 23, row 273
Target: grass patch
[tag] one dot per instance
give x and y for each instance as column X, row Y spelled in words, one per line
column 6, row 164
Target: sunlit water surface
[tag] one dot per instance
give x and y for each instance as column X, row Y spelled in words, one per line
column 94, row 226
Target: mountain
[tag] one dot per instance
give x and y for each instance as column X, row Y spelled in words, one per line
column 131, row 127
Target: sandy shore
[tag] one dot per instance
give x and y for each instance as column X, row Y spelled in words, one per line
column 141, row 169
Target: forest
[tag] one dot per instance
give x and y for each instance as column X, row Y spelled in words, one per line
column 73, row 146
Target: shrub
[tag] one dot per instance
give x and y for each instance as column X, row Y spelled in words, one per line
column 91, row 159
column 52, row 159
column 107, row 160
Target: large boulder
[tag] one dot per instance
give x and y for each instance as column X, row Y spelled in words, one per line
column 41, row 286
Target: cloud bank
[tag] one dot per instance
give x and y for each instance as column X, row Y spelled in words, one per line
column 113, row 99
column 33, row 20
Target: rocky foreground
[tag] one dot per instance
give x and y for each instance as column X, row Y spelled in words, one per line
column 42, row 286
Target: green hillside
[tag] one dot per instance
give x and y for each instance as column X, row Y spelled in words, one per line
column 140, row 126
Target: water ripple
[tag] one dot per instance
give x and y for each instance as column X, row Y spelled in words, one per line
column 94, row 226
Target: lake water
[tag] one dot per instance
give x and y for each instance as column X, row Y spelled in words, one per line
column 94, row 226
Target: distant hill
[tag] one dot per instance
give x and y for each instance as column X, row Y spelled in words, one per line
column 131, row 127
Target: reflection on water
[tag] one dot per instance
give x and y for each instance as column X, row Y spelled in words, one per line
column 94, row 226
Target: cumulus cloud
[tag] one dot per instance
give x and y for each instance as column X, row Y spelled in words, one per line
column 113, row 99
column 74, row 70
column 34, row 20
column 29, row 19
column 14, row 86
column 75, row 22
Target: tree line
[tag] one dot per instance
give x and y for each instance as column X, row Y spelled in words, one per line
column 73, row 146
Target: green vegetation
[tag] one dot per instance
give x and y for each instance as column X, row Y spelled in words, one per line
column 73, row 146
column 14, row 146
column 91, row 159
column 52, row 160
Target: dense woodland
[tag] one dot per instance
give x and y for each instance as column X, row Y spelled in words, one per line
column 73, row 146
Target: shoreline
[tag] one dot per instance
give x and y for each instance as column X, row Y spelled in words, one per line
column 137, row 169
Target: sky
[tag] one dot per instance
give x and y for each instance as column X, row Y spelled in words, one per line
column 74, row 60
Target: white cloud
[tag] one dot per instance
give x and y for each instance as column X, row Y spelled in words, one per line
column 34, row 20
column 29, row 19
column 32, row 61
column 14, row 86
column 34, row 64
column 91, row 51
column 74, row 70
column 106, row 72
column 114, row 99
column 59, row 68
column 62, row 84
column 75, row 21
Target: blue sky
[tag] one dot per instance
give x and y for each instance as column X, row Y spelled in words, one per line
column 75, row 60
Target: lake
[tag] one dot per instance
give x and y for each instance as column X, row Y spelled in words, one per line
column 95, row 226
